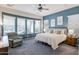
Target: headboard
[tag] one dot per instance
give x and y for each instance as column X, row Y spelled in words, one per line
column 59, row 30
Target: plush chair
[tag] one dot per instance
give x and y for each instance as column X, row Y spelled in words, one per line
column 14, row 39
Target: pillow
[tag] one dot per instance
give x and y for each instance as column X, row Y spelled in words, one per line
column 62, row 31
column 51, row 31
column 58, row 32
column 65, row 32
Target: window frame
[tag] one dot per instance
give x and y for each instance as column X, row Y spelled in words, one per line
column 40, row 25
column 26, row 18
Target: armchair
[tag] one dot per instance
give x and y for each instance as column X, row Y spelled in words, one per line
column 14, row 39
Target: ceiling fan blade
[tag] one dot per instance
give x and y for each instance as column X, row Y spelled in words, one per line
column 40, row 10
column 45, row 9
column 42, row 4
column 39, row 5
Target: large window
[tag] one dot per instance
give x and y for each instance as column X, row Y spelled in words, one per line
column 8, row 24
column 46, row 23
column 30, row 26
column 37, row 26
column 21, row 25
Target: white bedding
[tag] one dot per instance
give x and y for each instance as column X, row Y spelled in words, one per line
column 51, row 39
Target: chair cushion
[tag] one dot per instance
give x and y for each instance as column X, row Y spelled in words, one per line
column 18, row 40
column 12, row 34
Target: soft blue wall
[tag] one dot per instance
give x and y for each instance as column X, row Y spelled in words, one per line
column 64, row 13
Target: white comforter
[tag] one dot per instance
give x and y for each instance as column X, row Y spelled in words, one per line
column 51, row 39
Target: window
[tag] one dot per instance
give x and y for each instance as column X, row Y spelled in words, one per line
column 73, row 23
column 46, row 23
column 8, row 24
column 30, row 26
column 52, row 22
column 21, row 25
column 37, row 26
column 60, row 20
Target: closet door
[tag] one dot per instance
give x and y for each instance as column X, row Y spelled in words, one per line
column 8, row 24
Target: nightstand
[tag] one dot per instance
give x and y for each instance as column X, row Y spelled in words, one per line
column 71, row 40
column 78, row 41
column 4, row 51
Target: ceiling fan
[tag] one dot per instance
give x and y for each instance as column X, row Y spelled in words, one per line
column 42, row 7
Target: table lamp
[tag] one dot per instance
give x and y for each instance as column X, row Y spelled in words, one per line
column 44, row 30
column 71, row 32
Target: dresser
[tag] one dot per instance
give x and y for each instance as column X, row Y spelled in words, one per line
column 71, row 40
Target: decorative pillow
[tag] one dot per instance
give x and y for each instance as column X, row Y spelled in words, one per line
column 51, row 31
column 62, row 31
column 58, row 32
column 65, row 32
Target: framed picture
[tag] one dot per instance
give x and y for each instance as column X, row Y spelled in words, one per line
column 60, row 20
column 52, row 22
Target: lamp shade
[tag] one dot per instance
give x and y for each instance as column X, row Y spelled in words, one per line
column 71, row 31
column 44, row 30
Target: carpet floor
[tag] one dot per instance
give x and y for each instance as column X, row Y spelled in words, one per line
column 31, row 47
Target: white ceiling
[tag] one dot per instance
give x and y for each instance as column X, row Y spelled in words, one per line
column 32, row 8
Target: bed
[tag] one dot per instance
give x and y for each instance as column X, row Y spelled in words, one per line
column 53, row 37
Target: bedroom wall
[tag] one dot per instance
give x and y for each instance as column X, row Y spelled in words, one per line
column 64, row 13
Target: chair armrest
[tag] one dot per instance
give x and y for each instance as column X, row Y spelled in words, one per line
column 10, row 39
column 19, row 37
